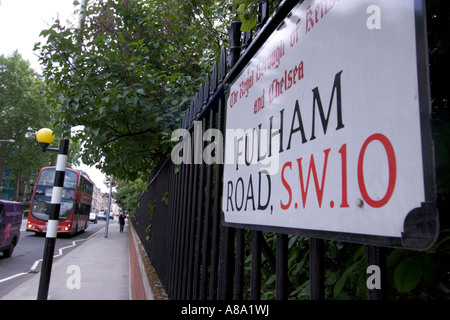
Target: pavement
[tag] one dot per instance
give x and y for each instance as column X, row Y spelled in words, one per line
column 98, row 269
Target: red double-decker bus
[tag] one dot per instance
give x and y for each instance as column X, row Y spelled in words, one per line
column 75, row 203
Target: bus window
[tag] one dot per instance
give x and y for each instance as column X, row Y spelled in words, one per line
column 41, row 208
column 66, row 209
column 68, row 194
column 47, row 178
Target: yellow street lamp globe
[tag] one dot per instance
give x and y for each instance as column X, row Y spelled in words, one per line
column 45, row 135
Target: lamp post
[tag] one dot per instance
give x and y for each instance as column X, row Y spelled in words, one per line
column 45, row 137
column 109, row 206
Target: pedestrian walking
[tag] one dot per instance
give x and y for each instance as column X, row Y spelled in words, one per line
column 122, row 221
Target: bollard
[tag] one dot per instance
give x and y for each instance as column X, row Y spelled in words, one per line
column 52, row 226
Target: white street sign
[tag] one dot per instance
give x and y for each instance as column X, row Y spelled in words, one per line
column 324, row 123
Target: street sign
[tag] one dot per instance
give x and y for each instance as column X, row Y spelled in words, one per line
column 328, row 129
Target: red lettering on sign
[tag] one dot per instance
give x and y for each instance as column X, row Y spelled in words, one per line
column 312, row 169
column 287, row 186
column 322, row 8
column 287, row 80
column 343, row 152
column 270, row 62
column 259, row 104
column 392, row 170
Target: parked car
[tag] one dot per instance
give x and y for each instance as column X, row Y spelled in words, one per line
column 102, row 215
column 93, row 217
column 10, row 221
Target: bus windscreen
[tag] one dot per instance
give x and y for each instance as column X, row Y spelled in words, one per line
column 40, row 208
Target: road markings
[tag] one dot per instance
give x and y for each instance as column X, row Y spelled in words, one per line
column 60, row 253
column 13, row 276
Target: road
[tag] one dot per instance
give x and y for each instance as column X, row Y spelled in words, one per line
column 27, row 255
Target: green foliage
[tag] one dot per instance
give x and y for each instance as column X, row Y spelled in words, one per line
column 247, row 12
column 129, row 75
column 345, row 276
column 410, row 274
column 127, row 195
column 165, row 198
column 23, row 111
column 414, row 274
column 407, row 275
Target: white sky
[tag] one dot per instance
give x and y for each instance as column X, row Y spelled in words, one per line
column 21, row 22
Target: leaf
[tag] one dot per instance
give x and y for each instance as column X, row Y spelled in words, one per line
column 165, row 198
column 152, row 208
column 241, row 7
column 359, row 253
column 44, row 33
column 271, row 279
column 407, row 275
column 394, row 257
column 341, row 282
column 148, row 230
column 248, row 21
column 95, row 132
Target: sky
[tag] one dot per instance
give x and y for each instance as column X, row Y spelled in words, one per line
column 21, row 22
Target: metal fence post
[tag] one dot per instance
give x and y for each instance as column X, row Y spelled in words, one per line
column 317, row 269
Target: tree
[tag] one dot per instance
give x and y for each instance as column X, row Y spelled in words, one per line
column 23, row 111
column 127, row 195
column 129, row 75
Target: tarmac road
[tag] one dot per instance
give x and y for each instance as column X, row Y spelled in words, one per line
column 27, row 255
